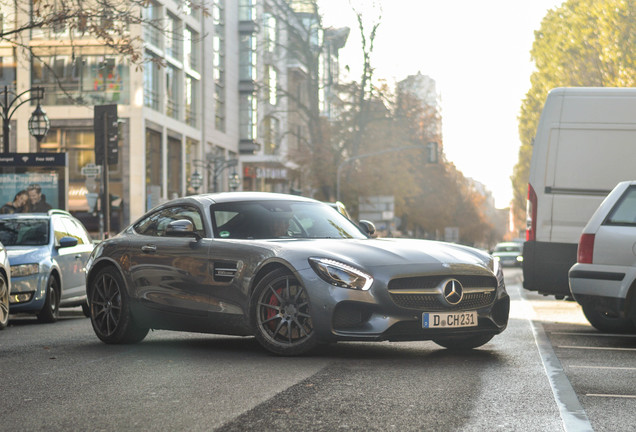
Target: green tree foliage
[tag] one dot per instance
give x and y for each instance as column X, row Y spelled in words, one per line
column 581, row 43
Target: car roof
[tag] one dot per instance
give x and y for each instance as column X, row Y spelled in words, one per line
column 223, row 197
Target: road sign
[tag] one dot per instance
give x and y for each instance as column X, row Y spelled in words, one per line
column 91, row 170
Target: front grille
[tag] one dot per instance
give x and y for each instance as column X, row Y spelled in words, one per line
column 435, row 302
column 479, row 291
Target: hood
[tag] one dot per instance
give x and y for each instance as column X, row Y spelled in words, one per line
column 369, row 253
column 25, row 254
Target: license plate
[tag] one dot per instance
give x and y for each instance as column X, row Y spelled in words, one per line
column 449, row 319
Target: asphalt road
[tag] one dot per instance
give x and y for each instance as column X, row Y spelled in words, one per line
column 61, row 377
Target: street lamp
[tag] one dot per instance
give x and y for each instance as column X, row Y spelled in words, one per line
column 234, row 180
column 196, row 180
column 38, row 123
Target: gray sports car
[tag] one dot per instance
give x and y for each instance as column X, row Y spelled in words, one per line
column 291, row 271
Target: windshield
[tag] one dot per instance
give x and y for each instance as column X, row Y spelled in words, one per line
column 281, row 219
column 508, row 248
column 24, row 232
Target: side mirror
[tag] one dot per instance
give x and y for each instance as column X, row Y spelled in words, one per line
column 367, row 227
column 67, row 241
column 181, row 228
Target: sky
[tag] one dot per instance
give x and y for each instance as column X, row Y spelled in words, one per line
column 478, row 52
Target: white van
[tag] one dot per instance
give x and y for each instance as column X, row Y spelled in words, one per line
column 585, row 144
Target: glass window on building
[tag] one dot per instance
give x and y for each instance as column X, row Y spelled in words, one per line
column 7, row 68
column 247, row 11
column 152, row 28
column 270, row 135
column 271, row 32
column 172, row 92
column 247, row 116
column 151, row 82
column 218, row 64
column 175, row 171
column 92, row 79
column 271, row 84
column 174, row 37
column 191, row 48
column 154, row 169
column 247, row 57
column 191, row 90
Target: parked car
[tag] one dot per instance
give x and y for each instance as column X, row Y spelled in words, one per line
column 603, row 279
column 48, row 254
column 509, row 253
column 5, row 286
column 291, row 271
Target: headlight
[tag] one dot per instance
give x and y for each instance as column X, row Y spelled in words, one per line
column 24, row 270
column 340, row 274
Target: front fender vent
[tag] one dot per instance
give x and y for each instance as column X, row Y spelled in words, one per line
column 224, row 271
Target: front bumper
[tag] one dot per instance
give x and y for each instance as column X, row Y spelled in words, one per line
column 28, row 293
column 374, row 315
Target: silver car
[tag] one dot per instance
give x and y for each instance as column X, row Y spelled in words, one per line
column 5, row 286
column 291, row 271
column 47, row 253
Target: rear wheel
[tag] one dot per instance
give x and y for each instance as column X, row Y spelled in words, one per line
column 608, row 322
column 4, row 302
column 51, row 310
column 280, row 315
column 459, row 343
column 110, row 312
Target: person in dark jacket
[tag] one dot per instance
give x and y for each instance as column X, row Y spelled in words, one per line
column 37, row 202
column 17, row 205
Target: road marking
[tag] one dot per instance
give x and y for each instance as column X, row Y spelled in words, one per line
column 605, row 367
column 611, row 396
column 572, row 413
column 593, row 334
column 597, row 348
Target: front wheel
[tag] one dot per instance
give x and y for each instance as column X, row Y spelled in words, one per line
column 110, row 312
column 459, row 343
column 608, row 322
column 281, row 316
column 51, row 310
column 4, row 302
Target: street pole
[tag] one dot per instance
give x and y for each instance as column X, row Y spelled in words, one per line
column 105, row 179
column 6, row 125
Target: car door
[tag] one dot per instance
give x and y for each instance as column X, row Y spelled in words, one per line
column 80, row 253
column 170, row 273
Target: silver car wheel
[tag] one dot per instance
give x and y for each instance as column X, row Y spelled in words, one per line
column 4, row 302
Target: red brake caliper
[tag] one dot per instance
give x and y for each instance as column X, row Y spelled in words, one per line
column 273, row 301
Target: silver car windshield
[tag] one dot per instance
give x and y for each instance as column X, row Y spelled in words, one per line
column 24, row 232
column 281, row 219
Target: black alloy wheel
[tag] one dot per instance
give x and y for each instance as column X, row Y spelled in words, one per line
column 51, row 310
column 281, row 315
column 110, row 313
column 4, row 302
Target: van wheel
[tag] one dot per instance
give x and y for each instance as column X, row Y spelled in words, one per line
column 608, row 322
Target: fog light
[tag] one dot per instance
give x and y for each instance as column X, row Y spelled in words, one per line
column 20, row 298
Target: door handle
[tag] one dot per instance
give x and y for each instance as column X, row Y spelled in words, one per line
column 78, row 256
column 149, row 248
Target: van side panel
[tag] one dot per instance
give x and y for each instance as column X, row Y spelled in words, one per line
column 584, row 146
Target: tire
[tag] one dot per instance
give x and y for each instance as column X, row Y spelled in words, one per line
column 281, row 317
column 110, row 311
column 86, row 309
column 4, row 302
column 51, row 310
column 461, row 343
column 607, row 321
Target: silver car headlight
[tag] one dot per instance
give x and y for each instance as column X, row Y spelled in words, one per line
column 24, row 270
column 341, row 274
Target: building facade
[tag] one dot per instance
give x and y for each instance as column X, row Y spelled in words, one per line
column 210, row 102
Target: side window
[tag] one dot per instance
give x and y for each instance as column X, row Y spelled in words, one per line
column 156, row 223
column 59, row 229
column 75, row 229
column 624, row 212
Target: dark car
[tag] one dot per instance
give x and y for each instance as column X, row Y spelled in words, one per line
column 509, row 254
column 291, row 271
column 48, row 254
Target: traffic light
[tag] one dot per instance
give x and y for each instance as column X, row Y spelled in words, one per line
column 106, row 134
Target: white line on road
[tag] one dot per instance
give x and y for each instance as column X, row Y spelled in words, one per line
column 597, row 348
column 605, row 367
column 593, row 334
column 611, row 396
